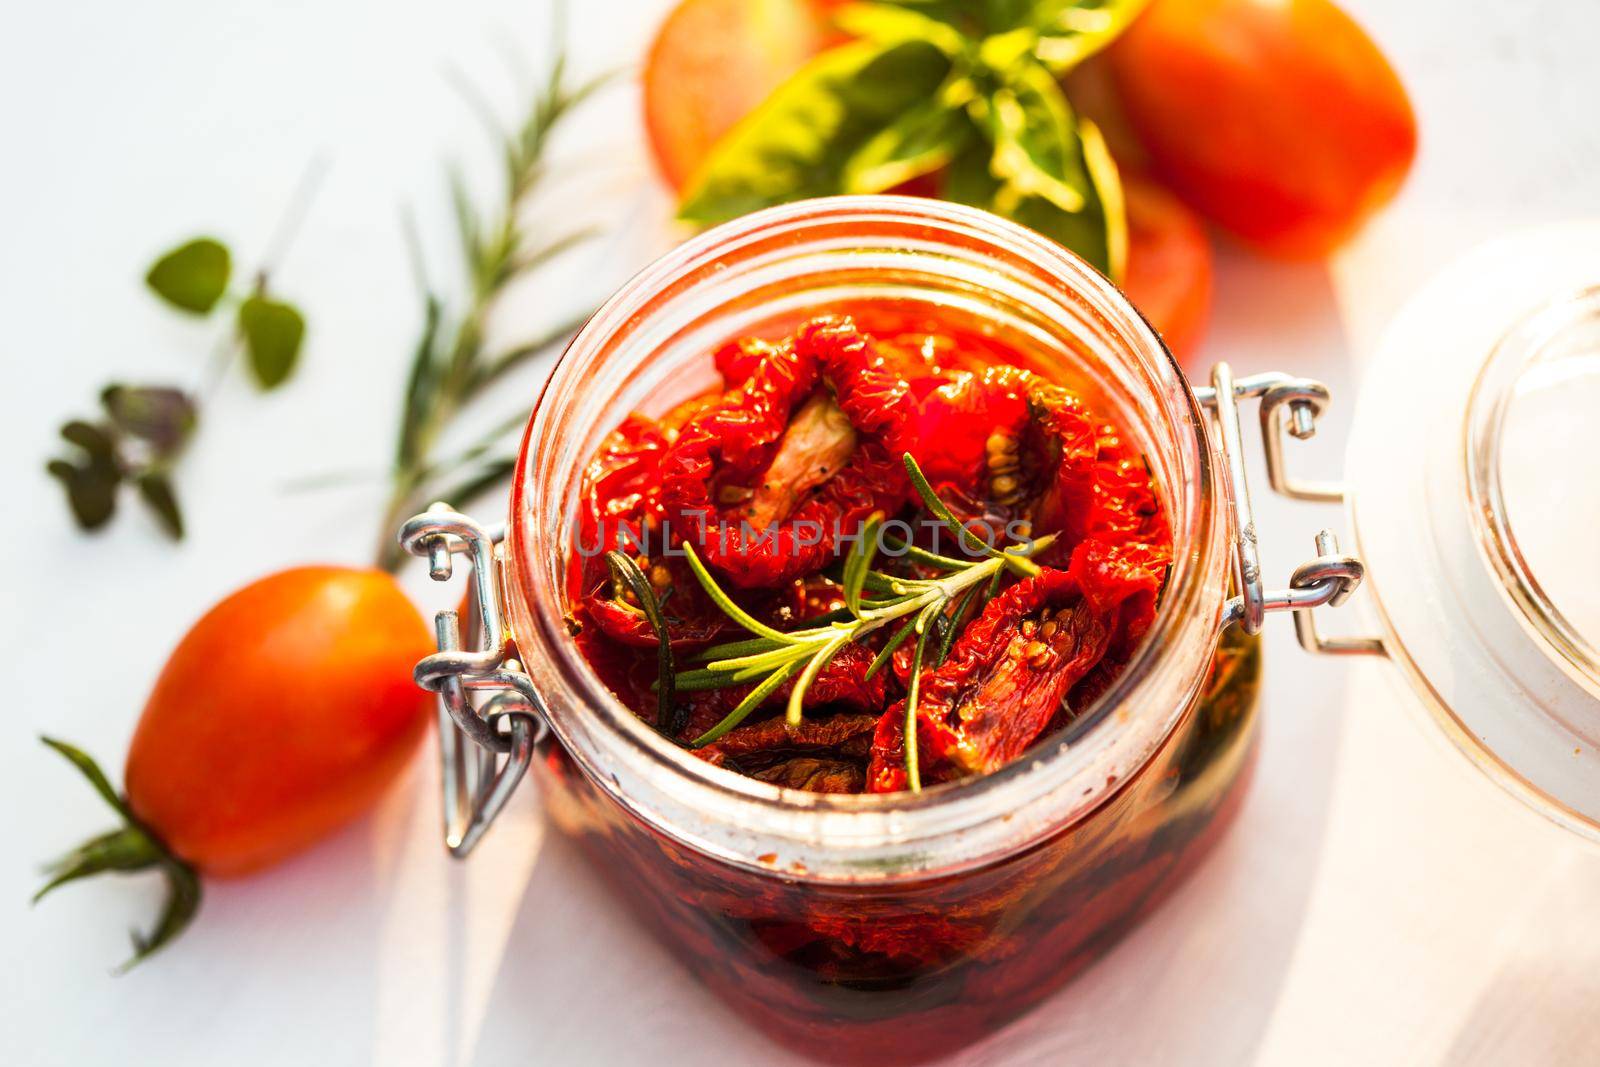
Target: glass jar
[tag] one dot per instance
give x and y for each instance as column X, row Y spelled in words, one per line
column 891, row 926
column 887, row 928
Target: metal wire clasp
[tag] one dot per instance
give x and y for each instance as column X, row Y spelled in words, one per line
column 1331, row 577
column 484, row 696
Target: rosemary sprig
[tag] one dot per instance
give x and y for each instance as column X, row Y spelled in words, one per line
column 775, row 656
column 453, row 362
column 626, row 573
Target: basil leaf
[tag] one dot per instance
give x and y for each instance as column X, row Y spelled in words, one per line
column 891, row 23
column 1071, row 31
column 272, row 333
column 919, row 142
column 1036, row 140
column 193, row 276
column 1046, row 169
column 798, row 143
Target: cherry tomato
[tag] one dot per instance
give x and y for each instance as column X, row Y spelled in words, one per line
column 1169, row 264
column 1278, row 119
column 711, row 63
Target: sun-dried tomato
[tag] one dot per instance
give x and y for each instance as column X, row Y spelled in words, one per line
column 815, row 775
column 767, row 477
column 1092, row 481
column 1002, row 685
column 842, row 685
column 620, row 509
column 844, row 735
column 765, row 499
column 943, row 417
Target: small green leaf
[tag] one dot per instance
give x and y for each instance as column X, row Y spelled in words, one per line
column 91, row 438
column 161, row 415
column 887, row 652
column 625, row 570
column 156, row 491
column 1047, row 169
column 91, row 482
column 924, row 629
column 859, row 562
column 891, row 23
column 799, row 142
column 752, row 700
column 1070, row 31
column 725, row 602
column 1035, row 140
column 272, row 332
column 193, row 276
column 91, row 772
column 919, row 142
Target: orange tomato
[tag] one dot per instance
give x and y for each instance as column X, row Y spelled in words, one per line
column 282, row 714
column 1278, row 119
column 711, row 63
column 1169, row 274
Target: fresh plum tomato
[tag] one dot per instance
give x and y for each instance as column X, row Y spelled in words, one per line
column 1169, row 264
column 284, row 713
column 711, row 63
column 1278, row 119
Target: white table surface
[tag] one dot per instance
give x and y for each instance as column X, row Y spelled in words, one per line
column 1376, row 901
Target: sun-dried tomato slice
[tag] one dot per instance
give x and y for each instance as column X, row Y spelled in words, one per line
column 1003, row 684
column 845, row 735
column 842, row 684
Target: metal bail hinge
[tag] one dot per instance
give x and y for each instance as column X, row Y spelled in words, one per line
column 484, row 696
column 1331, row 577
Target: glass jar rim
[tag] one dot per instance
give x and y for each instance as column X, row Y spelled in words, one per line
column 1192, row 598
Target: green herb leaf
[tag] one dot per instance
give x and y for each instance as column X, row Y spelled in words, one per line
column 272, row 332
column 1046, row 169
column 958, row 618
column 859, row 562
column 921, row 141
column 726, row 603
column 798, row 143
column 91, row 482
column 1071, row 31
column 625, row 570
column 156, row 491
column 887, row 652
column 193, row 276
column 752, row 701
column 897, row 23
column 161, row 415
column 924, row 629
column 930, row 500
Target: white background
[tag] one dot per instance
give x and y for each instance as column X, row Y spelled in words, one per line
column 1375, row 903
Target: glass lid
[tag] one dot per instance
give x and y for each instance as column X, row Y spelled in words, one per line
column 1533, row 470
column 1474, row 491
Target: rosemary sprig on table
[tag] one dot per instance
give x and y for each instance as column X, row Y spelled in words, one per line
column 772, row 657
column 453, row 362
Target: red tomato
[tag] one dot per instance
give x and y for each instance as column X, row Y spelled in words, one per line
column 285, row 712
column 1278, row 119
column 711, row 63
column 1169, row 264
